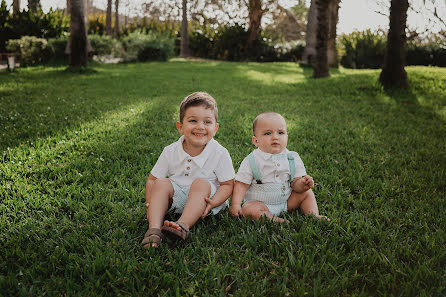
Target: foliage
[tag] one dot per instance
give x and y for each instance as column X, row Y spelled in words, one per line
column 290, row 51
column 363, row 49
column 29, row 23
column 147, row 47
column 432, row 53
column 96, row 25
column 76, row 150
column 31, row 49
column 57, row 47
column 105, row 45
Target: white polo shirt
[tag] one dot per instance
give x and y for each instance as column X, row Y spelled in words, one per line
column 213, row 163
column 274, row 168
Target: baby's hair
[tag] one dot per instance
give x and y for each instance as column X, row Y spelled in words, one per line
column 197, row 99
column 262, row 115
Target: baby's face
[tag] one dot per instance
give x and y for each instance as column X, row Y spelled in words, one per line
column 270, row 134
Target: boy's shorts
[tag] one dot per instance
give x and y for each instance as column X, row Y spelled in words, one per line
column 181, row 194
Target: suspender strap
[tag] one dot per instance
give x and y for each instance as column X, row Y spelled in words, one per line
column 254, row 168
column 292, row 166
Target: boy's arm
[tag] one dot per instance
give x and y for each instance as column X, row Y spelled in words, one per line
column 150, row 180
column 237, row 198
column 222, row 194
column 302, row 184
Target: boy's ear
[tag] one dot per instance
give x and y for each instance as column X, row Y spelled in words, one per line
column 180, row 127
column 216, row 128
column 255, row 141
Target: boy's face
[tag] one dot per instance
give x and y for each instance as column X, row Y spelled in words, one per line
column 198, row 126
column 270, row 134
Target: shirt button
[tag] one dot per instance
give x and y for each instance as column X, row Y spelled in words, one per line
column 189, row 160
column 283, row 188
column 277, row 175
column 186, row 174
column 188, row 168
column 278, row 164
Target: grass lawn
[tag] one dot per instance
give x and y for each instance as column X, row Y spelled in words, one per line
column 76, row 149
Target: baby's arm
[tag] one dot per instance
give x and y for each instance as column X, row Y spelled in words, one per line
column 237, row 198
column 302, row 184
column 150, row 180
column 222, row 194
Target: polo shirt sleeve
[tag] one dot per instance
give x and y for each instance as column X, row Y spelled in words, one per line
column 244, row 173
column 161, row 167
column 299, row 165
column 225, row 169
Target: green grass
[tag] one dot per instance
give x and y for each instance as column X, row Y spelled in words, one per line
column 76, row 149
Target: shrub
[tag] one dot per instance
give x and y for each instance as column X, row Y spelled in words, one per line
column 290, row 51
column 147, row 47
column 230, row 43
column 431, row 53
column 200, row 44
column 105, row 45
column 56, row 47
column 363, row 49
column 31, row 49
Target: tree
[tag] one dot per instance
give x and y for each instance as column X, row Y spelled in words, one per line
column 116, row 18
column 184, row 50
column 78, row 42
column 309, row 54
column 15, row 7
column 108, row 18
column 393, row 73
column 33, row 5
column 321, row 64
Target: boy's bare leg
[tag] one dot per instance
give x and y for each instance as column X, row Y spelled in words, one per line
column 161, row 193
column 257, row 209
column 195, row 204
column 306, row 201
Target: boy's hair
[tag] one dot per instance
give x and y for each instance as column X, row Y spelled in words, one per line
column 263, row 114
column 197, row 99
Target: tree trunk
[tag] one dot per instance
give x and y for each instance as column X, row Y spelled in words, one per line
column 255, row 20
column 33, row 5
column 332, row 52
column 393, row 73
column 184, row 50
column 78, row 35
column 117, row 18
column 309, row 54
column 108, row 18
column 321, row 64
column 15, row 7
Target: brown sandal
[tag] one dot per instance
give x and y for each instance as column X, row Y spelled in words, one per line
column 175, row 234
column 154, row 236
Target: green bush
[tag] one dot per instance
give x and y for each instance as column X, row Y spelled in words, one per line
column 56, row 47
column 31, row 49
column 432, row 53
column 145, row 47
column 290, row 51
column 96, row 25
column 201, row 44
column 105, row 45
column 363, row 49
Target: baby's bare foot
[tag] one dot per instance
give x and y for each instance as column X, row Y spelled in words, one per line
column 172, row 225
column 277, row 219
column 323, row 218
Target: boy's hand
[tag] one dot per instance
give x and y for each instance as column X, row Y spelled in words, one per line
column 307, row 182
column 235, row 210
column 209, row 205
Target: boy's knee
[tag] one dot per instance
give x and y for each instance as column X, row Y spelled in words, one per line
column 201, row 183
column 161, row 182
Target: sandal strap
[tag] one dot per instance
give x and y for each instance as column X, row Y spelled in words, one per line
column 183, row 226
column 154, row 231
column 153, row 235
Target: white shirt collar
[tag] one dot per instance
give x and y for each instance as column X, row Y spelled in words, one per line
column 201, row 158
column 267, row 156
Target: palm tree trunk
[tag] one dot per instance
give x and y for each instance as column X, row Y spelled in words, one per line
column 255, row 20
column 321, row 64
column 15, row 7
column 333, row 18
column 117, row 18
column 184, row 50
column 108, row 18
column 393, row 73
column 78, row 35
column 309, row 54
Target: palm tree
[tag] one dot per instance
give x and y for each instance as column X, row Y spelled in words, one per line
column 117, row 18
column 184, row 50
column 78, row 42
column 321, row 62
column 108, row 18
column 393, row 73
column 15, row 7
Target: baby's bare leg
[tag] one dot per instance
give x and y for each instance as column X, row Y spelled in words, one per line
column 306, row 201
column 161, row 193
column 257, row 209
column 195, row 205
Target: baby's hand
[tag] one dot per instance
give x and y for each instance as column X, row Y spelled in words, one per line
column 209, row 205
column 307, row 182
column 235, row 210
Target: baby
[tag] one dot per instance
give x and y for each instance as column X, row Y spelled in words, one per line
column 200, row 175
column 271, row 179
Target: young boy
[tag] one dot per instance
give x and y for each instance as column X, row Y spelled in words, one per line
column 200, row 175
column 272, row 179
